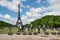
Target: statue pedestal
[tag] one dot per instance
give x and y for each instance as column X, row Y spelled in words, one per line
column 10, row 33
column 58, row 33
column 24, row 33
column 18, row 33
column 46, row 33
column 29, row 33
column 35, row 33
column 53, row 33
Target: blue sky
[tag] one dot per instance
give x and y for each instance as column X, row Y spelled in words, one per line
column 30, row 9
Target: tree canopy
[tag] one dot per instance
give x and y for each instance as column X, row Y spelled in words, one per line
column 48, row 21
column 5, row 24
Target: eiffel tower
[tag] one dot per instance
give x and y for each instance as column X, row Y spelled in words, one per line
column 19, row 22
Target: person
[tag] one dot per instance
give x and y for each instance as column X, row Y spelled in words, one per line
column 10, row 28
column 31, row 28
column 39, row 28
column 23, row 28
column 19, row 27
column 34, row 28
column 44, row 28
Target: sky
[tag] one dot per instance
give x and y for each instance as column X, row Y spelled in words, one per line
column 30, row 10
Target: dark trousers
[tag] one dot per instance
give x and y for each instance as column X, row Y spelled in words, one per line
column 38, row 30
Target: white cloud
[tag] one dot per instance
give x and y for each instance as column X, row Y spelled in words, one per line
column 24, row 19
column 7, row 18
column 53, row 1
column 11, row 5
column 32, row 15
column 55, row 6
column 27, row 6
column 38, row 1
column 48, row 13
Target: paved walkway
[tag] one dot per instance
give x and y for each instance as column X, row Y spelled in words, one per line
column 29, row 37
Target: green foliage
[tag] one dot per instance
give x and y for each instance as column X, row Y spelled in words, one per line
column 36, row 22
column 26, row 25
column 5, row 24
column 48, row 21
column 57, row 22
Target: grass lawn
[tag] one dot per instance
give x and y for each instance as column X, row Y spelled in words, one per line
column 14, row 30
column 6, row 30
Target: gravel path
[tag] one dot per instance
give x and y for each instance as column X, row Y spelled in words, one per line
column 29, row 37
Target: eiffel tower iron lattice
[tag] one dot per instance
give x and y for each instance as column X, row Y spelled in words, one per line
column 19, row 22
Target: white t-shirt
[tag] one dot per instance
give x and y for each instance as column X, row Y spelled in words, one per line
column 19, row 26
